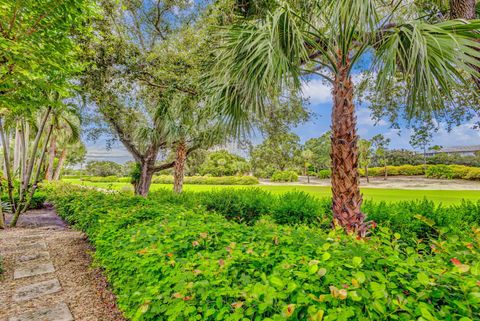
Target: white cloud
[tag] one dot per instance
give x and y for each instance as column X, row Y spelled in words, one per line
column 317, row 91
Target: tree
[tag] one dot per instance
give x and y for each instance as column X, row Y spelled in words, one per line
column 103, row 168
column 307, row 156
column 327, row 38
column 37, row 63
column 145, row 66
column 279, row 152
column 421, row 138
column 364, row 155
column 224, row 163
column 380, row 145
column 320, row 148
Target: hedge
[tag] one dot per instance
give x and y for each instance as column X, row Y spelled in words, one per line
column 167, row 179
column 170, row 262
column 433, row 171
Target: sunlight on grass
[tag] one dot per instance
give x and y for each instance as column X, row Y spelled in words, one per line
column 376, row 194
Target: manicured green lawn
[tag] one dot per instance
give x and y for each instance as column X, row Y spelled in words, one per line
column 377, row 194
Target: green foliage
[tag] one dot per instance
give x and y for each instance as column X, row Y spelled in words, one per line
column 324, row 173
column 298, row 207
column 453, row 172
column 246, row 205
column 223, row 163
column 168, row 179
column 37, row 201
column 103, row 168
column 284, row 176
column 276, row 153
column 168, row 262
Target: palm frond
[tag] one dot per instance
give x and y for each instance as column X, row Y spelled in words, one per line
column 254, row 63
column 427, row 59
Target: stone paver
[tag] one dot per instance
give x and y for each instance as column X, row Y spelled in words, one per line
column 36, row 290
column 35, row 269
column 59, row 312
column 33, row 256
column 41, row 245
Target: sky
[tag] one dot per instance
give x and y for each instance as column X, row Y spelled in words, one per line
column 318, row 94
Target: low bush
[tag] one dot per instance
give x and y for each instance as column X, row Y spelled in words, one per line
column 37, row 201
column 284, row 176
column 168, row 179
column 101, row 179
column 324, row 173
column 246, row 205
column 169, row 262
column 298, row 207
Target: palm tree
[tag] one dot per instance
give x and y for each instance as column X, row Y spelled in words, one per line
column 66, row 122
column 259, row 59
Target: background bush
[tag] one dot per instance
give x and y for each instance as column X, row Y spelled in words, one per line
column 284, row 176
column 168, row 179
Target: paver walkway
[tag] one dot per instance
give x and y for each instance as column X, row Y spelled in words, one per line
column 48, row 274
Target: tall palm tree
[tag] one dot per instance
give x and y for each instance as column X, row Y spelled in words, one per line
column 66, row 122
column 259, row 59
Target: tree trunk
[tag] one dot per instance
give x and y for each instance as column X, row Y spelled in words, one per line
column 39, row 168
column 147, row 169
column 385, row 170
column 16, row 151
column 51, row 159
column 366, row 173
column 179, row 167
column 464, row 9
column 2, row 218
column 6, row 156
column 61, row 161
column 346, row 197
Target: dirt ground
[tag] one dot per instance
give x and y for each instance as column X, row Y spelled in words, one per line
column 83, row 288
column 396, row 182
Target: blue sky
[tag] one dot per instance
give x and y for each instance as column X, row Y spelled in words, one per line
column 320, row 102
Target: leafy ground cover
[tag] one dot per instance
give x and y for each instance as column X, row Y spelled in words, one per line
column 169, row 258
column 376, row 194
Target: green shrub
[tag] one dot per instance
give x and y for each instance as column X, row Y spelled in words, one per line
column 284, row 176
column 298, row 207
column 440, row 171
column 473, row 174
column 101, row 179
column 246, row 205
column 37, row 201
column 324, row 173
column 209, row 180
column 168, row 262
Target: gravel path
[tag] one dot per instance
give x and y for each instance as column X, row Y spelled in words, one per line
column 48, row 274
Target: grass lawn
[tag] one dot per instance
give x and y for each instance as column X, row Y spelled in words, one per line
column 377, row 194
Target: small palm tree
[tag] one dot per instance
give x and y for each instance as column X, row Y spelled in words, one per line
column 258, row 60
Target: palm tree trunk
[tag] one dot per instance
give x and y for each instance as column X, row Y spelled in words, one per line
column 27, row 166
column 61, row 161
column 51, row 159
column 16, row 150
column 346, row 196
column 179, row 167
column 2, row 218
column 464, row 9
column 7, row 166
column 39, row 168
column 385, row 172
